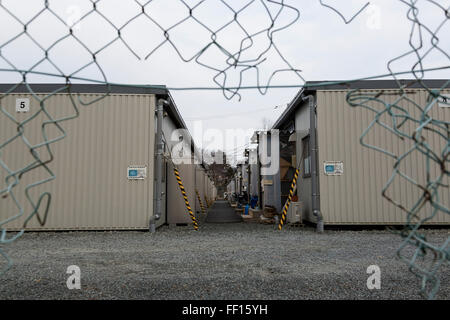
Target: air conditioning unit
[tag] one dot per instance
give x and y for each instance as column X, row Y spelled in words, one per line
column 295, row 212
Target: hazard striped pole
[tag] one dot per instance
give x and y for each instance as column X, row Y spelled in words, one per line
column 207, row 203
column 200, row 201
column 186, row 201
column 288, row 202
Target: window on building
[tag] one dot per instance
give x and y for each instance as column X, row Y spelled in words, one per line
column 306, row 157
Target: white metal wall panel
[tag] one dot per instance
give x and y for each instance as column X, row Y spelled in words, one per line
column 91, row 189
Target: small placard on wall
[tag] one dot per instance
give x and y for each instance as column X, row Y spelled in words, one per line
column 333, row 168
column 137, row 172
column 22, row 105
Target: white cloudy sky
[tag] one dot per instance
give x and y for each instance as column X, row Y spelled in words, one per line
column 319, row 44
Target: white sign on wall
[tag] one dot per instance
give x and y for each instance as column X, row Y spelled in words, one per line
column 22, row 105
column 333, row 168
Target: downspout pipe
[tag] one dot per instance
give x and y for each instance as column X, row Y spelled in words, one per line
column 158, row 164
column 315, row 191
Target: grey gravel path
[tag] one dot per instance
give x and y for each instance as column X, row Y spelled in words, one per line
column 222, row 261
column 222, row 212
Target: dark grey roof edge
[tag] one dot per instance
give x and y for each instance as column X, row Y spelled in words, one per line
column 360, row 84
column 84, row 88
column 378, row 84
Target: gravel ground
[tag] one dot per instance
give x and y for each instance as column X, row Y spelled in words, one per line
column 222, row 261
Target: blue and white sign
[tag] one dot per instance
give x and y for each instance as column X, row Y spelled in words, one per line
column 333, row 168
column 22, row 105
column 137, row 172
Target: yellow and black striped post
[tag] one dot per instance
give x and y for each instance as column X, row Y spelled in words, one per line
column 186, row 201
column 288, row 202
column 207, row 203
column 200, row 201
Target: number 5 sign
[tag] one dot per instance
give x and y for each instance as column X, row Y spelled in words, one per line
column 22, row 105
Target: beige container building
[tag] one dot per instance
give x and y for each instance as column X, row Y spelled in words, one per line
column 94, row 187
column 354, row 195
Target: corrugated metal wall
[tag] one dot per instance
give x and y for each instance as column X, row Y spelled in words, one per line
column 176, row 208
column 355, row 197
column 302, row 116
column 214, row 192
column 91, row 190
column 207, row 187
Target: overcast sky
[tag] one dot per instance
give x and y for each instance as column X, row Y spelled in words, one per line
column 319, row 43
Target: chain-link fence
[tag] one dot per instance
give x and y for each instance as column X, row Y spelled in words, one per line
column 257, row 44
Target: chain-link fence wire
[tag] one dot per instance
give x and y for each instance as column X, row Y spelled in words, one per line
column 244, row 62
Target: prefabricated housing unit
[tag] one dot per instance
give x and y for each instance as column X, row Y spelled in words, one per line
column 105, row 165
column 347, row 187
column 265, row 184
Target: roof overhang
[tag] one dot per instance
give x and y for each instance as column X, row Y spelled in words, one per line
column 311, row 87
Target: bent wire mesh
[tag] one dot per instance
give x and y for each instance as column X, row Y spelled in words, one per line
column 244, row 63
